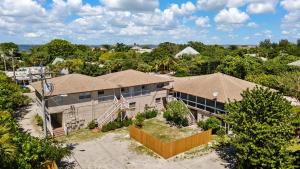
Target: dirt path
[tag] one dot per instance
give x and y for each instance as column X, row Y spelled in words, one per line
column 27, row 121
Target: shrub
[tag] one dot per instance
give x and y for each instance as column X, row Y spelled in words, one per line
column 118, row 123
column 38, row 120
column 92, row 124
column 139, row 119
column 221, row 132
column 150, row 113
column 176, row 113
column 211, row 123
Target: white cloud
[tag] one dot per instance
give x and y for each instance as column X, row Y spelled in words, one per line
column 231, row 16
column 262, row 7
column 22, row 8
column 32, row 35
column 133, row 29
column 211, row 4
column 291, row 21
column 291, row 5
column 132, row 5
column 252, row 25
column 184, row 8
column 202, row 22
column 246, row 38
column 284, row 32
column 228, row 19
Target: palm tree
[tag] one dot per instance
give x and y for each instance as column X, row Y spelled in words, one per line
column 7, row 148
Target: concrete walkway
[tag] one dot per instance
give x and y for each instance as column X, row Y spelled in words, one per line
column 27, row 122
column 109, row 152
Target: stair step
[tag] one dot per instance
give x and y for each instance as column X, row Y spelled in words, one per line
column 58, row 132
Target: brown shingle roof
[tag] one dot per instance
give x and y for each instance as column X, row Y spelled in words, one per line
column 76, row 83
column 133, row 78
column 228, row 87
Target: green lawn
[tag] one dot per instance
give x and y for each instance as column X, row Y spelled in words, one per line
column 165, row 132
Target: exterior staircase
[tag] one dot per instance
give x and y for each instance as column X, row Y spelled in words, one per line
column 111, row 113
column 58, row 132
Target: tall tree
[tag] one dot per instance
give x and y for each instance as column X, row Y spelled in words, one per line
column 262, row 124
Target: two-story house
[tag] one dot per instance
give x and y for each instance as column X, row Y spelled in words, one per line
column 78, row 99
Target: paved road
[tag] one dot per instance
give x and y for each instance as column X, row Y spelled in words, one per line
column 110, row 153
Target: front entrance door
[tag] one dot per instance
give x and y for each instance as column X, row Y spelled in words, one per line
column 56, row 120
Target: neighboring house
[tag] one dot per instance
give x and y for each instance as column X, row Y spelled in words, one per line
column 78, row 99
column 206, row 95
column 187, row 51
column 63, row 71
column 58, row 60
column 296, row 63
column 140, row 49
column 26, row 75
column 255, row 55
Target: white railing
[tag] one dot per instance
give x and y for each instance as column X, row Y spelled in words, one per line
column 65, row 129
column 110, row 114
column 136, row 93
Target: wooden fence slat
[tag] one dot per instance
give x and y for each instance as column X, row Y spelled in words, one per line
column 167, row 150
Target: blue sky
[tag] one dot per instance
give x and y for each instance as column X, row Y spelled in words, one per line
column 149, row 21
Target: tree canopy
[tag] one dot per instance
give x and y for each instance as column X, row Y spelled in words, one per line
column 262, row 127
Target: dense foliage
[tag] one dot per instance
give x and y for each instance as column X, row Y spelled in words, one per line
column 262, row 127
column 265, row 64
column 11, row 96
column 210, row 123
column 118, row 123
column 176, row 113
column 17, row 148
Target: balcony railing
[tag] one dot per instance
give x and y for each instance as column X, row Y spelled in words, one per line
column 103, row 98
column 136, row 93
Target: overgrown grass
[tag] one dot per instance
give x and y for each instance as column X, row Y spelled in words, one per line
column 165, row 132
column 141, row 150
column 80, row 135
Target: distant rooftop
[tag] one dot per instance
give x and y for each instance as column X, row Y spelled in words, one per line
column 187, row 51
column 296, row 63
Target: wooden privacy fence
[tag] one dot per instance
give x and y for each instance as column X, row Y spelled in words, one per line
column 167, row 150
column 50, row 165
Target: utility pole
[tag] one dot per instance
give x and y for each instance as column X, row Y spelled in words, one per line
column 4, row 61
column 11, row 53
column 44, row 84
column 43, row 103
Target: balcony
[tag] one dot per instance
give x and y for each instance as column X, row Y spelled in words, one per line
column 136, row 93
column 105, row 98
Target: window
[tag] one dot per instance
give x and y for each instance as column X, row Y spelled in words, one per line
column 101, row 92
column 160, row 85
column 210, row 103
column 58, row 100
column 220, row 106
column 200, row 100
column 132, row 105
column 86, row 95
column 122, row 89
column 184, row 96
column 143, row 87
column 192, row 98
column 158, row 100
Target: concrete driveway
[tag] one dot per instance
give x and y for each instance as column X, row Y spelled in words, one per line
column 113, row 151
